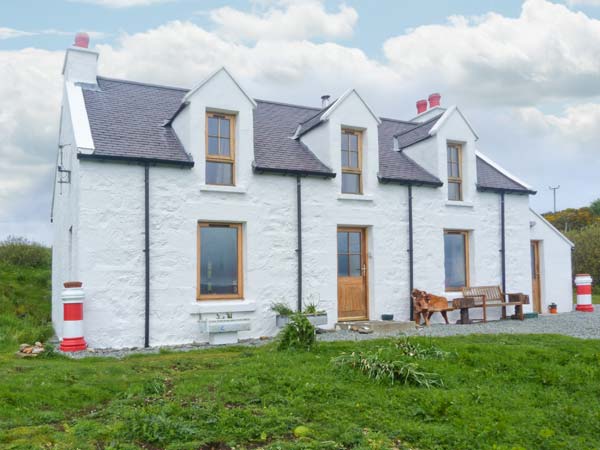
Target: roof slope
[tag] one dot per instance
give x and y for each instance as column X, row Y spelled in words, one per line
column 126, row 120
column 491, row 179
column 274, row 148
column 417, row 133
column 396, row 166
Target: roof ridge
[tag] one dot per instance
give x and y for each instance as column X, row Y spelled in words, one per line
column 286, row 104
column 410, row 122
column 419, row 126
column 141, row 83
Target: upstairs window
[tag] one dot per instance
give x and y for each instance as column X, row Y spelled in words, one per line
column 220, row 149
column 351, row 162
column 455, row 172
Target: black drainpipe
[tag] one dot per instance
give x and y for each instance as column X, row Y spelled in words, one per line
column 147, row 253
column 299, row 249
column 503, row 241
column 410, row 251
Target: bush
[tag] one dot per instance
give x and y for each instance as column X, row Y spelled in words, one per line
column 586, row 256
column 18, row 251
column 298, row 334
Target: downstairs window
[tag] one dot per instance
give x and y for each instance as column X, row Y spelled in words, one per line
column 456, row 259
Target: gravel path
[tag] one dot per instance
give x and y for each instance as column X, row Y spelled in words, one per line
column 576, row 324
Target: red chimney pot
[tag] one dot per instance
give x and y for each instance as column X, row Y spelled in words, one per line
column 434, row 100
column 421, row 106
column 82, row 40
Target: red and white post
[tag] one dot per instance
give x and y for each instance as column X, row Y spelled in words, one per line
column 583, row 281
column 72, row 298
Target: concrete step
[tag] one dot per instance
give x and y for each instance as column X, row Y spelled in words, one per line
column 378, row 326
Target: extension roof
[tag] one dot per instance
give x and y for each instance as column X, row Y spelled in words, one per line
column 132, row 121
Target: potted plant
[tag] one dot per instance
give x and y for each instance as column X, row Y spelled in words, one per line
column 315, row 316
column 552, row 308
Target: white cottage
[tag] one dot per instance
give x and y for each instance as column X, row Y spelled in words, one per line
column 176, row 207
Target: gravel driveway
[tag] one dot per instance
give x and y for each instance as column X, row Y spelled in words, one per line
column 576, row 324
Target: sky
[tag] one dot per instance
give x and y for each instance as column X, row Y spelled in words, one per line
column 525, row 73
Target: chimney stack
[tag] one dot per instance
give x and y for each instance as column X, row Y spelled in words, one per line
column 81, row 63
column 325, row 101
column 82, row 40
column 434, row 100
column 421, row 106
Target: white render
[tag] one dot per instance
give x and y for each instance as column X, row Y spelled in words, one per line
column 103, row 206
column 555, row 262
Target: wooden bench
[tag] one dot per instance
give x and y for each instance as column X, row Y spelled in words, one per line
column 490, row 296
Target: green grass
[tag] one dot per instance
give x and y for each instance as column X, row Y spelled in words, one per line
column 502, row 392
column 595, row 298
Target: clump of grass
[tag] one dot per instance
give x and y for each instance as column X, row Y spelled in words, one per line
column 381, row 369
column 281, row 309
column 298, row 334
column 415, row 350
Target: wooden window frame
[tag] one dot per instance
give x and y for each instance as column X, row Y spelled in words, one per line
column 240, row 263
column 354, row 170
column 464, row 233
column 218, row 158
column 456, row 180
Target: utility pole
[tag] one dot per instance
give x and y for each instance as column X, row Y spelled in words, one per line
column 554, row 189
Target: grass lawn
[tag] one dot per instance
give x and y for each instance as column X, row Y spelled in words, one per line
column 502, row 392
column 595, row 298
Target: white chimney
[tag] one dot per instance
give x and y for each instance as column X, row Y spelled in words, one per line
column 81, row 64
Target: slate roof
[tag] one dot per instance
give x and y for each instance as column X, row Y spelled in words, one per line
column 126, row 120
column 417, row 133
column 314, row 121
column 131, row 121
column 491, row 179
column 395, row 166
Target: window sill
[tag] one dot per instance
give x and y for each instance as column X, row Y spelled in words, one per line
column 217, row 188
column 222, row 306
column 457, row 203
column 357, row 197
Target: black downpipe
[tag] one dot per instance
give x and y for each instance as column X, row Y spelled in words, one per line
column 299, row 249
column 503, row 241
column 410, row 251
column 147, row 253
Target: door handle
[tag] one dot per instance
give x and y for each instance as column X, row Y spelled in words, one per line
column 363, row 269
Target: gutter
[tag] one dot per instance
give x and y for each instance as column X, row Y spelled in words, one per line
column 409, row 182
column 147, row 255
column 506, row 190
column 306, row 173
column 410, row 252
column 299, row 249
column 134, row 160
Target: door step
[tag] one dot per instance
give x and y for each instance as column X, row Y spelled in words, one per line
column 376, row 326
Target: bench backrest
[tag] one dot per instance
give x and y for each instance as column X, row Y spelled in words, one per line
column 492, row 293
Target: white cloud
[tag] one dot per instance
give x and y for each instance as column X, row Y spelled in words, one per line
column 291, row 20
column 578, row 123
column 547, row 52
column 121, row 3
column 9, row 33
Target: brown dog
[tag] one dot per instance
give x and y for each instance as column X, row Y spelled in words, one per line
column 425, row 304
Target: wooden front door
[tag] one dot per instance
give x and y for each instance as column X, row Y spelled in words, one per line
column 352, row 274
column 535, row 276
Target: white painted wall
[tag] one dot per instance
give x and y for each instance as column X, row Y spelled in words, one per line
column 555, row 262
column 110, row 222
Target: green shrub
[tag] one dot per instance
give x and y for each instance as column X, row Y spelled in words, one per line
column 298, row 334
column 377, row 367
column 586, row 255
column 18, row 251
column 282, row 309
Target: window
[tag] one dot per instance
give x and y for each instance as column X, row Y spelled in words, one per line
column 456, row 259
column 219, row 261
column 220, row 149
column 351, row 162
column 455, row 172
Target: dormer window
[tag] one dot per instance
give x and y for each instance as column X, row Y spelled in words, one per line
column 351, row 162
column 455, row 172
column 220, row 149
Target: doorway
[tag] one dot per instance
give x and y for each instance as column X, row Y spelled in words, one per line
column 535, row 277
column 352, row 274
